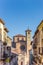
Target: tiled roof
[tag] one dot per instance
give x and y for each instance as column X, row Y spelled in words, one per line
column 2, row 21
column 40, row 23
column 19, row 35
column 37, row 28
column 6, row 29
column 28, row 30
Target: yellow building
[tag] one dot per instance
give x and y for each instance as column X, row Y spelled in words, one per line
column 38, row 45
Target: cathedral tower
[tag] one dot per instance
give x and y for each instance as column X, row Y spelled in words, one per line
column 28, row 41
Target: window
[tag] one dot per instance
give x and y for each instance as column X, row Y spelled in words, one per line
column 22, row 47
column 42, row 50
column 28, row 32
column 9, row 48
column 42, row 29
column 13, row 44
column 42, row 40
column 4, row 36
column 39, row 50
column 18, row 39
column 23, row 39
column 21, row 63
column 34, row 46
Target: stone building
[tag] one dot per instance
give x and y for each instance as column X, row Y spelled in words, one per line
column 38, row 45
column 4, row 33
column 22, row 47
column 6, row 41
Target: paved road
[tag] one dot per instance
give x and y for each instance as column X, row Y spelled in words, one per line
column 1, row 63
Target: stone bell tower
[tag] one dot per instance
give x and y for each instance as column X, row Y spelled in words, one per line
column 28, row 41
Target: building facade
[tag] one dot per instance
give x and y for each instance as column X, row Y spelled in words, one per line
column 22, row 47
column 4, row 41
column 37, row 45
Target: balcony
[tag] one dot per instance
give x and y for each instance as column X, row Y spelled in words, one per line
column 34, row 46
column 4, row 43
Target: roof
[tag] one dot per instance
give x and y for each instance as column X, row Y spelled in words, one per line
column 35, row 32
column 2, row 21
column 6, row 29
column 28, row 30
column 31, row 42
column 37, row 28
column 19, row 35
column 40, row 23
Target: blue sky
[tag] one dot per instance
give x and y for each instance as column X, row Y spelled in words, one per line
column 19, row 14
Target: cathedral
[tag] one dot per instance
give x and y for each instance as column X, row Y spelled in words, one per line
column 22, row 47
